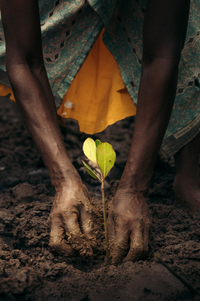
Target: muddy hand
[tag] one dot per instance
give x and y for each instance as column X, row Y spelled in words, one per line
column 71, row 217
column 128, row 225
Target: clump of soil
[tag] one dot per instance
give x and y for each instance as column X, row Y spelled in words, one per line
column 30, row 271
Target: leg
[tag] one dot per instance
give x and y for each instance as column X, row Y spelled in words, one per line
column 25, row 67
column 164, row 34
column 186, row 183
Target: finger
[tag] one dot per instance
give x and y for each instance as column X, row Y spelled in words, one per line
column 120, row 243
column 57, row 242
column 111, row 233
column 76, row 238
column 136, row 244
column 146, row 232
column 111, row 230
column 87, row 225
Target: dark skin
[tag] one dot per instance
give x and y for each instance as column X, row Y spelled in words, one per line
column 186, row 184
column 164, row 34
column 129, row 221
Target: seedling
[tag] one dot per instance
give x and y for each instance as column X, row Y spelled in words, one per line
column 103, row 156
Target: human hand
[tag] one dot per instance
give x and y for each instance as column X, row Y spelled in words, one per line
column 128, row 224
column 71, row 217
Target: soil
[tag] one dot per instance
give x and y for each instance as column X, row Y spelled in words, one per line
column 30, row 271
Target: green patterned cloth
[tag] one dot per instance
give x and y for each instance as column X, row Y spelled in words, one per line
column 69, row 30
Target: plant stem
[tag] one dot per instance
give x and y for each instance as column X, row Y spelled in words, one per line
column 188, row 285
column 105, row 222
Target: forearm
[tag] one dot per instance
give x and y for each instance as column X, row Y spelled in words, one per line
column 36, row 104
column 25, row 67
column 163, row 38
column 155, row 101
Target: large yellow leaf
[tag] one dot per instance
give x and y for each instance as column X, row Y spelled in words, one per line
column 89, row 149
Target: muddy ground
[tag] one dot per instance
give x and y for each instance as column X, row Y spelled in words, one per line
column 28, row 269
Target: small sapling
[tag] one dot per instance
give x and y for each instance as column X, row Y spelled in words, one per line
column 103, row 156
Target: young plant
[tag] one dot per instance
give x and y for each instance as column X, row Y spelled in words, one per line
column 103, row 156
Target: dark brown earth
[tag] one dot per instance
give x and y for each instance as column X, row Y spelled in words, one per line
column 28, row 269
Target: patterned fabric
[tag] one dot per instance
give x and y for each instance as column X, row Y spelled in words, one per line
column 69, row 30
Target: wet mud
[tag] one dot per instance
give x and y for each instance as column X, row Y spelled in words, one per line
column 30, row 271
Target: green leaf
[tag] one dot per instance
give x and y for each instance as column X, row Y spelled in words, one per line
column 97, row 142
column 89, row 149
column 91, row 173
column 105, row 157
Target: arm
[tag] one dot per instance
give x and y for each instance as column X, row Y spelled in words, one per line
column 163, row 38
column 25, row 67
